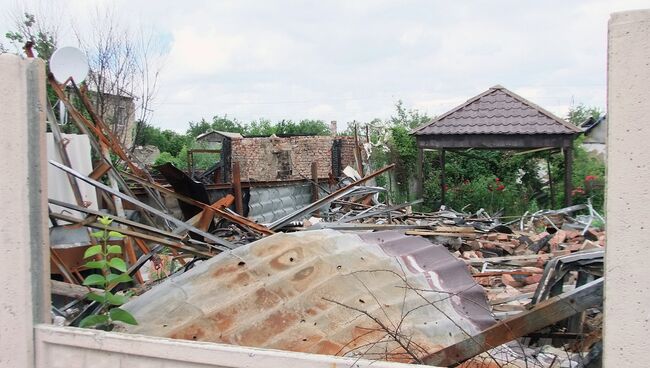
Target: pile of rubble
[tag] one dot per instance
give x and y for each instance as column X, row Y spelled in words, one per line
column 344, row 275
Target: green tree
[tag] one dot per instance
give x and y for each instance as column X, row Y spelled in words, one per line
column 410, row 118
column 43, row 41
column 579, row 114
column 219, row 123
column 303, row 127
column 261, row 127
column 28, row 30
column 165, row 140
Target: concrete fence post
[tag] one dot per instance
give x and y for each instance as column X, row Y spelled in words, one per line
column 627, row 290
column 24, row 248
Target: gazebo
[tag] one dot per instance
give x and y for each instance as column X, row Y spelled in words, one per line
column 497, row 119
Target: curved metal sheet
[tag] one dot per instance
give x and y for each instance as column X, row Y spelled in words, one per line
column 322, row 292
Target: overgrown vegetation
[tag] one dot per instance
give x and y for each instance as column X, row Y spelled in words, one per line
column 105, row 258
column 174, row 146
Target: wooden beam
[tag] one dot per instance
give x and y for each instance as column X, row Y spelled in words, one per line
column 420, row 173
column 494, row 141
column 132, row 258
column 530, row 259
column 443, row 175
column 207, row 215
column 568, row 175
column 314, row 184
column 71, row 290
column 236, row 189
column 100, row 170
column 543, row 314
column 357, row 150
column 551, row 185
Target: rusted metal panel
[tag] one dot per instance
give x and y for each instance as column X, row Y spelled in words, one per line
column 322, row 292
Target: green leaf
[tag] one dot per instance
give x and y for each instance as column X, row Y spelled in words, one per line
column 96, row 264
column 105, row 220
column 93, row 251
column 98, row 234
column 95, row 280
column 118, row 264
column 114, row 249
column 115, row 234
column 116, row 279
column 94, row 320
column 118, row 314
column 95, row 297
column 116, row 299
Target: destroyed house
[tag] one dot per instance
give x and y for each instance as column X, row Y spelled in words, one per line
column 275, row 175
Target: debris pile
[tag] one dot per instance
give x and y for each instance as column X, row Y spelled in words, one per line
column 344, row 274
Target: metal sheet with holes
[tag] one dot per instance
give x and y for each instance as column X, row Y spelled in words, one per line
column 322, row 292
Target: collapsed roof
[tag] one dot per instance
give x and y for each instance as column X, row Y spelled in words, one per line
column 380, row 295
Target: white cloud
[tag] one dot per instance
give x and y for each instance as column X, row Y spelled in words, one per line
column 203, row 51
column 351, row 60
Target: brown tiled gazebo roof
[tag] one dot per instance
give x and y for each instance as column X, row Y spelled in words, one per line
column 498, row 111
column 496, row 119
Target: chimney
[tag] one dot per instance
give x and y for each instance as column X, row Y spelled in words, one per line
column 333, row 128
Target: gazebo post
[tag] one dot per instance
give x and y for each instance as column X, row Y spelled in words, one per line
column 568, row 174
column 550, row 180
column 442, row 176
column 420, row 173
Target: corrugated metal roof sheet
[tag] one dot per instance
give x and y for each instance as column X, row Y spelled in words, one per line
column 322, row 292
column 268, row 204
column 497, row 111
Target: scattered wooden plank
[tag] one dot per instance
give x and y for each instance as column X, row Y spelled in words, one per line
column 499, row 273
column 511, row 298
column 438, row 233
column 543, row 314
column 522, row 260
column 455, row 229
column 70, row 290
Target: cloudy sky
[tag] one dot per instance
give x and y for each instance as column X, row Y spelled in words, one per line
column 352, row 60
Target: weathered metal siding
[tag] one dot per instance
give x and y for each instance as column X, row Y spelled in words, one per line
column 321, row 292
column 267, row 204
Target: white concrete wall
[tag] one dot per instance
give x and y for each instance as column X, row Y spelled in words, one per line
column 24, row 268
column 65, row 347
column 627, row 277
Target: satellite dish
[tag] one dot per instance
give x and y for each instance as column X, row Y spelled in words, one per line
column 69, row 62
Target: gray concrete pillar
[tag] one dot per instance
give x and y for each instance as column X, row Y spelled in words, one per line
column 24, row 248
